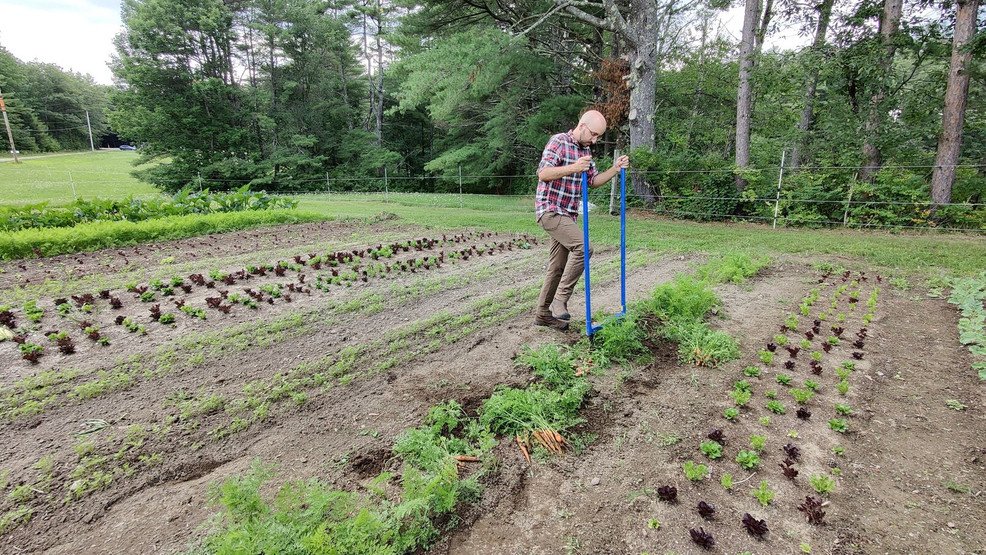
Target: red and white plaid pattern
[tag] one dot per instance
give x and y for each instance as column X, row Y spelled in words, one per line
column 562, row 195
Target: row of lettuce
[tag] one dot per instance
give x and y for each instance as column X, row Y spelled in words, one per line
column 86, row 225
column 445, row 461
column 969, row 295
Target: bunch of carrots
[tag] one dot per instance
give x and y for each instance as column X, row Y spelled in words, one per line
column 546, row 438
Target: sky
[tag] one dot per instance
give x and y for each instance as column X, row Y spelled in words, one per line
column 78, row 34
column 74, row 34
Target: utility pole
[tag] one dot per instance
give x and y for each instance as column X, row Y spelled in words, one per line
column 6, row 123
column 92, row 147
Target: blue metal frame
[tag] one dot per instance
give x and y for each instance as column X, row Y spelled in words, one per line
column 591, row 328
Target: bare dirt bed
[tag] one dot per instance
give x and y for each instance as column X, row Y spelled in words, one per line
column 911, row 478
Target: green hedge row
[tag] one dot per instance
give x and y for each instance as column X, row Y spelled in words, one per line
column 30, row 243
column 36, row 216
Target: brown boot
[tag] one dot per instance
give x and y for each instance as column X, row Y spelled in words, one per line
column 559, row 309
column 551, row 322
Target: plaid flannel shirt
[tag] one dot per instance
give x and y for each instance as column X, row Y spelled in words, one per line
column 562, row 195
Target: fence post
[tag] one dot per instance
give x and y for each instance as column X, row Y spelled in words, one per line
column 460, row 185
column 72, row 183
column 328, row 186
column 386, row 190
column 845, row 214
column 780, row 179
column 200, row 182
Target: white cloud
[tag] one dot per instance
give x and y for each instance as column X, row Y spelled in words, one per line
column 74, row 34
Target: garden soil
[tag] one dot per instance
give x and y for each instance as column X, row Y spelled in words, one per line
column 911, row 479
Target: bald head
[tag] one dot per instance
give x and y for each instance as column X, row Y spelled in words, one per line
column 591, row 126
column 594, row 119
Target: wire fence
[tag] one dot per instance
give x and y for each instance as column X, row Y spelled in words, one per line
column 786, row 207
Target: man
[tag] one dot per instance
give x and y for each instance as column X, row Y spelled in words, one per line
column 565, row 158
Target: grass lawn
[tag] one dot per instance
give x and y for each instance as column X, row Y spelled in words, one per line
column 103, row 174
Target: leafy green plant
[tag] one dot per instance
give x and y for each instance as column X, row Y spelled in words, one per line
column 839, row 425
column 32, row 311
column 193, row 311
column 712, row 449
column 740, row 397
column 742, row 385
column 842, row 387
column 731, row 413
column 770, row 394
column 791, row 321
column 805, row 344
column 703, row 346
column 758, row 442
column 695, row 472
column 822, row 483
column 727, row 481
column 64, row 309
column 765, row 421
column 775, row 407
column 748, row 459
column 783, row 379
column 751, row 372
column 843, row 409
column 955, row 404
column 166, row 319
column 839, row 450
column 833, row 340
column 734, row 267
column 811, row 385
column 766, row 357
column 622, row 340
column 802, row 396
column 763, row 493
column 551, row 362
column 780, row 339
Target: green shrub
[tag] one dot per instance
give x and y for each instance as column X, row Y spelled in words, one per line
column 99, row 235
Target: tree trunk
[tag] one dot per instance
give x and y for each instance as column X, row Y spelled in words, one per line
column 379, row 106
column 643, row 85
column 744, row 95
column 889, row 24
column 811, row 84
column 956, row 99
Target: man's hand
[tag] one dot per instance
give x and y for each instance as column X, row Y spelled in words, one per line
column 622, row 162
column 581, row 165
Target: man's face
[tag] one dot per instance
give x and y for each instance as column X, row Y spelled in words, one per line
column 588, row 136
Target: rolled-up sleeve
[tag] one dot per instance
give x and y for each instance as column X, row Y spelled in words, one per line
column 553, row 155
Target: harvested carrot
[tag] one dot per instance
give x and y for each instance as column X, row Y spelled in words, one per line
column 542, row 438
column 523, row 450
column 549, row 439
column 555, row 440
column 466, row 458
column 559, row 439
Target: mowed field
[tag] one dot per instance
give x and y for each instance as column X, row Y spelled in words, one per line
column 315, row 347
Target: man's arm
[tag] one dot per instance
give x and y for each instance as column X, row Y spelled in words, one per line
column 551, row 173
column 604, row 177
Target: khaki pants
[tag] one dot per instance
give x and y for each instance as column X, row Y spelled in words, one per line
column 566, row 260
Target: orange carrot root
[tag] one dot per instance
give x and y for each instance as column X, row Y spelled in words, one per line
column 465, row 458
column 523, row 450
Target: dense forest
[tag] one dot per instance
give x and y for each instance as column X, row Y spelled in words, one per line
column 47, row 106
column 884, row 102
